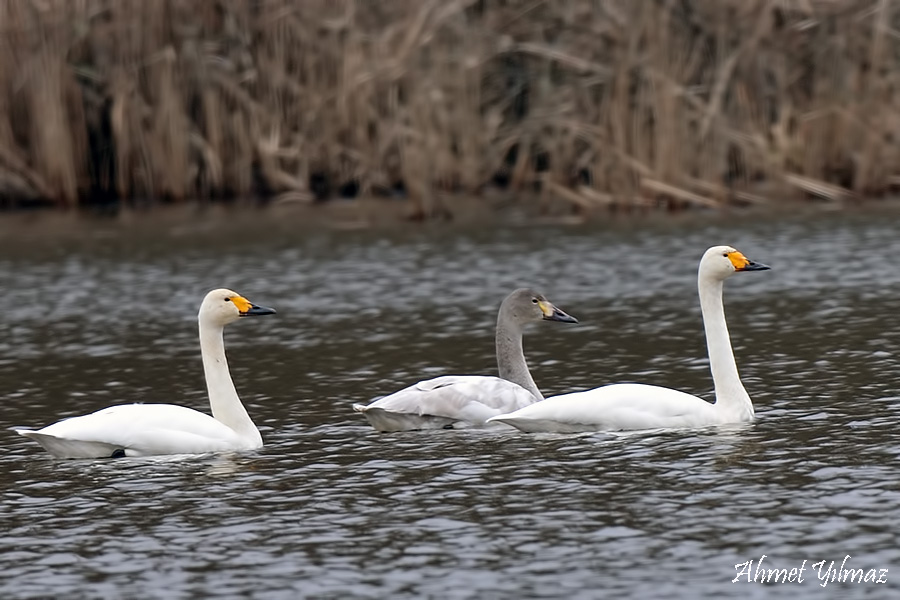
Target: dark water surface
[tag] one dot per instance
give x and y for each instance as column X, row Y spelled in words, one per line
column 331, row 509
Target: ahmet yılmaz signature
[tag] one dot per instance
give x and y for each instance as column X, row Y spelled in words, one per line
column 825, row 571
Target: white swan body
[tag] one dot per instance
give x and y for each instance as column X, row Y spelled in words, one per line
column 139, row 430
column 457, row 401
column 156, row 429
column 618, row 407
column 632, row 406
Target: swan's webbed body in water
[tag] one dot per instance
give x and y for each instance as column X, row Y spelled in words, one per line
column 632, row 406
column 157, row 429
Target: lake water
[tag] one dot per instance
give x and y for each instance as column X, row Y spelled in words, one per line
column 331, row 509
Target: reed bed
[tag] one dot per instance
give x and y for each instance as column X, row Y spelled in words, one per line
column 594, row 104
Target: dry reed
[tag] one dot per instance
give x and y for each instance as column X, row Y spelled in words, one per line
column 595, row 103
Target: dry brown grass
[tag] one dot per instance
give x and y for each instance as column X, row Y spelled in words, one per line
column 596, row 103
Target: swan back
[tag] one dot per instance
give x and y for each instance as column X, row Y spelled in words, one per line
column 448, row 401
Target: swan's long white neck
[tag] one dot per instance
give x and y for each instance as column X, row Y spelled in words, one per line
column 511, row 357
column 731, row 397
column 223, row 399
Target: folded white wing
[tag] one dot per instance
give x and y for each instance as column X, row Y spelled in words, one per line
column 624, row 406
column 451, row 400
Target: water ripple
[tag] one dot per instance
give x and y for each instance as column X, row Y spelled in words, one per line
column 330, row 509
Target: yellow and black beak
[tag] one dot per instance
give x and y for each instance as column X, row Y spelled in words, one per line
column 742, row 263
column 551, row 313
column 248, row 309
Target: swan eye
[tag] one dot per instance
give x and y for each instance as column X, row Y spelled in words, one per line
column 534, row 300
column 725, row 254
column 227, row 299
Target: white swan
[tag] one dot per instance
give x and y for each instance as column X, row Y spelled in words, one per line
column 153, row 429
column 469, row 400
column 631, row 406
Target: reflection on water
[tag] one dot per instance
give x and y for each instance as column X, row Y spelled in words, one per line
column 330, row 508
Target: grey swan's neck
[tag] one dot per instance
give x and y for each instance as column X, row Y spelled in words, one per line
column 511, row 355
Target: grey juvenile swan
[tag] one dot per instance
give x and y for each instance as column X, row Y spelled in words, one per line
column 470, row 400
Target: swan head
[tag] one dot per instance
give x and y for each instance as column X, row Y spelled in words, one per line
column 527, row 306
column 721, row 262
column 221, row 307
